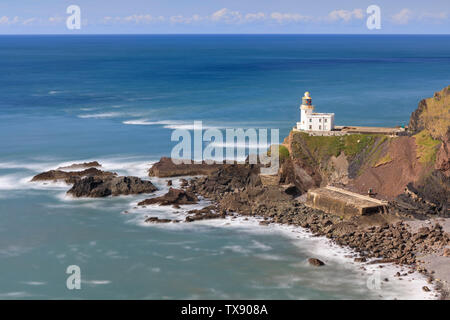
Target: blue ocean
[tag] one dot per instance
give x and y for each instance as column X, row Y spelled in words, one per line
column 117, row 100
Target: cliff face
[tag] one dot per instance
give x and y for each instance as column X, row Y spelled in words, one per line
column 433, row 115
column 418, row 163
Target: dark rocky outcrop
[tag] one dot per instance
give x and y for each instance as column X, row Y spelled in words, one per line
column 315, row 262
column 158, row 220
column 173, row 197
column 228, row 178
column 71, row 177
column 96, row 186
column 84, row 165
column 166, row 168
column 299, row 174
column 430, row 192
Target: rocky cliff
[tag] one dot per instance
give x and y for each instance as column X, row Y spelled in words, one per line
column 410, row 169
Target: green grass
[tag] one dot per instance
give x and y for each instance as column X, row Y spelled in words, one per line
column 283, row 152
column 327, row 146
column 426, row 146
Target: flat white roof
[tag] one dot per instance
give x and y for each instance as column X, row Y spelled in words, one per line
column 320, row 114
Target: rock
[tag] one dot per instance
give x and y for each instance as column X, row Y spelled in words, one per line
column 446, row 252
column 173, row 197
column 362, row 259
column 157, row 220
column 166, row 168
column 343, row 228
column 205, row 210
column 205, row 216
column 169, row 183
column 315, row 262
column 184, row 183
column 84, row 165
column 71, row 177
column 423, row 230
column 300, row 174
column 426, row 289
column 95, row 186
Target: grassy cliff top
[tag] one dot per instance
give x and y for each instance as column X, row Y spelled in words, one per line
column 433, row 115
column 323, row 147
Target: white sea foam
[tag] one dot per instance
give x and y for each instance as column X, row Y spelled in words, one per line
column 32, row 166
column 96, row 282
column 237, row 249
column 34, row 283
column 15, row 295
column 169, row 124
column 267, row 256
column 100, row 115
column 320, row 247
column 130, row 166
column 13, row 251
column 261, row 246
column 23, row 182
column 53, row 92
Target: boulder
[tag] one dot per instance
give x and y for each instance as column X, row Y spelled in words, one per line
column 166, row 168
column 84, row 165
column 157, row 220
column 71, row 177
column 96, row 187
column 315, row 262
column 173, row 197
column 446, row 252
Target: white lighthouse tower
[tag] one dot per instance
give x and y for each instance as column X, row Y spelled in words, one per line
column 312, row 121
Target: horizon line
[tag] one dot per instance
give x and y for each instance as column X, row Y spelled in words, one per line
column 234, row 34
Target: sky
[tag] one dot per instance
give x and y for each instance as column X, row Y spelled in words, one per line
column 224, row 16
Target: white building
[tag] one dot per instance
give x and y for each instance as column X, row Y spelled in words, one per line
column 312, row 121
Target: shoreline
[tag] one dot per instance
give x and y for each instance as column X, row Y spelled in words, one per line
column 325, row 249
column 262, row 220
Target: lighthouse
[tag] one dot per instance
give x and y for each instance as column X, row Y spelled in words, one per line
column 313, row 121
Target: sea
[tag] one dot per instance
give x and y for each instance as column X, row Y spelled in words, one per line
column 117, row 99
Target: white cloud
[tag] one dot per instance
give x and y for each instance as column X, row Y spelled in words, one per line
column 4, row 20
column 288, row 17
column 250, row 17
column 56, row 19
column 345, row 15
column 29, row 21
column 435, row 17
column 134, row 19
column 226, row 15
column 186, row 20
column 403, row 17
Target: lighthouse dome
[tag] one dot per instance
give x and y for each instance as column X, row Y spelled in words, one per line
column 307, row 95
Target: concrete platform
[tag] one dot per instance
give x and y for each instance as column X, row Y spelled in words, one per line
column 341, row 202
column 344, row 130
column 370, row 130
